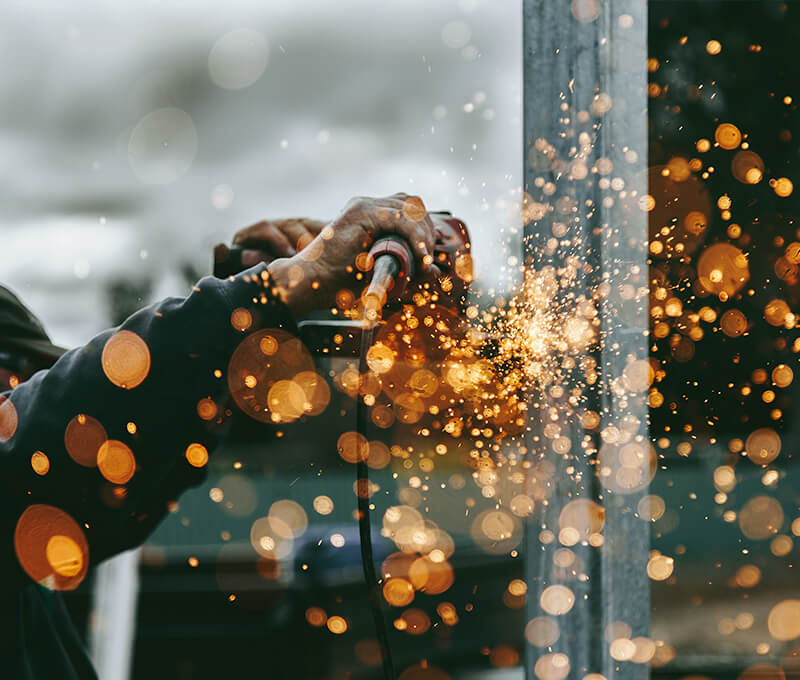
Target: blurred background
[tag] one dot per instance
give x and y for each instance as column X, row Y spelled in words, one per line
column 137, row 135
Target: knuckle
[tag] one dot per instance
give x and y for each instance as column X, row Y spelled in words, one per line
column 355, row 207
column 357, row 202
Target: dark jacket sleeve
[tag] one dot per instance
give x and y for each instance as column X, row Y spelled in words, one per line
column 181, row 348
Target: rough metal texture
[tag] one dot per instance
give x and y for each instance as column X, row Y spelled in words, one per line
column 585, row 72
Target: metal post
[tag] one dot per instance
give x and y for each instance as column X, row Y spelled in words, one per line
column 585, row 210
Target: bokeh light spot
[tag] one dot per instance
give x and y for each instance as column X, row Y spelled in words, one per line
column 783, row 622
column 557, row 600
column 9, row 420
column 51, row 547
column 64, row 555
column 116, row 462
column 761, row 517
column 162, row 146
column 238, row 59
column 728, row 136
column 126, row 360
column 83, row 438
column 40, row 463
column 197, row 455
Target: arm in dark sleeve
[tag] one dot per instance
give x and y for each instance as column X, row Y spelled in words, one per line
column 152, row 388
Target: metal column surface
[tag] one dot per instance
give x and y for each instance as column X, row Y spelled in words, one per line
column 585, row 212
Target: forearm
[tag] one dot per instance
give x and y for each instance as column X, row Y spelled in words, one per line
column 156, row 386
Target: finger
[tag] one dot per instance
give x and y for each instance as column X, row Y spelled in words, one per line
column 411, row 221
column 415, row 212
column 314, row 226
column 296, row 231
column 249, row 232
column 253, row 257
column 429, row 233
column 265, row 236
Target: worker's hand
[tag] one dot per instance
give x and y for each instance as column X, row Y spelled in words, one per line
column 310, row 279
column 269, row 240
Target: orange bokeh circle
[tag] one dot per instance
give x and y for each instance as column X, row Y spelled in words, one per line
column 51, row 547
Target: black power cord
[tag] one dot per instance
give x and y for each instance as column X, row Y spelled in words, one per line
column 364, row 522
